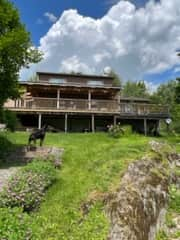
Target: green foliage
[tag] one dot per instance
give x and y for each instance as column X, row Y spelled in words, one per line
column 15, row 50
column 26, row 188
column 127, row 129
column 115, row 130
column 177, row 91
column 165, row 94
column 117, row 80
column 169, row 221
column 5, row 146
column 14, row 224
column 44, row 168
column 10, row 119
column 175, row 199
column 175, row 111
column 91, row 162
column 93, row 226
column 135, row 89
column 161, row 236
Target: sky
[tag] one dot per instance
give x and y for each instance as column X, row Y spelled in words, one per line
column 137, row 39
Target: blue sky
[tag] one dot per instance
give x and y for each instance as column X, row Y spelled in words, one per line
column 39, row 17
column 32, row 12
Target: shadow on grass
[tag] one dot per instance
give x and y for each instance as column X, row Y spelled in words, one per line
column 8, row 153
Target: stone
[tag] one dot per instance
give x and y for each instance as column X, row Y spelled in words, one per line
column 25, row 154
column 137, row 209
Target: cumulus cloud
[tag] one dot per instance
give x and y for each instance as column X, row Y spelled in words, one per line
column 132, row 41
column 50, row 16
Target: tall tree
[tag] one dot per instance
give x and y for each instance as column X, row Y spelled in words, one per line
column 117, row 80
column 165, row 93
column 177, row 91
column 135, row 89
column 16, row 50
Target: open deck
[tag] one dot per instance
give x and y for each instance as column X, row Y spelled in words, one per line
column 54, row 105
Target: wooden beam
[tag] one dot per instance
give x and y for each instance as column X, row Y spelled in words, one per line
column 92, row 123
column 39, row 120
column 58, row 98
column 89, row 99
column 114, row 118
column 66, row 123
column 145, row 126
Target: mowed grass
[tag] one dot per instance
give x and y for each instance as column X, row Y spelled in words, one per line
column 91, row 162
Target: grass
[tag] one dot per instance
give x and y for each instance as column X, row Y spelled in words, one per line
column 91, row 162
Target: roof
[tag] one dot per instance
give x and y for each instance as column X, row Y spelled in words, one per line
column 78, row 75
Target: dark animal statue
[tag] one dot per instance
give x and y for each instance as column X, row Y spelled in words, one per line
column 38, row 134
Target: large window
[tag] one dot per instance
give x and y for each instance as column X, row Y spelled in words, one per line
column 95, row 83
column 57, row 80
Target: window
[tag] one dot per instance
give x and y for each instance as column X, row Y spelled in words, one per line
column 95, row 83
column 57, row 80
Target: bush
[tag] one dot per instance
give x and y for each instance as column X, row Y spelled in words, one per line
column 27, row 187
column 14, row 224
column 10, row 119
column 115, row 130
column 44, row 168
column 5, row 146
column 127, row 130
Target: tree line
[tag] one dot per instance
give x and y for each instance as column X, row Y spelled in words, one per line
column 167, row 93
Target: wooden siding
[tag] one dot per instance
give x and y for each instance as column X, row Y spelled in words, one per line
column 76, row 80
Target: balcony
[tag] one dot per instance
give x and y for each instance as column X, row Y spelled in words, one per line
column 84, row 105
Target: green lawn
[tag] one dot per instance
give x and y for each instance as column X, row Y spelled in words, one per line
column 91, row 162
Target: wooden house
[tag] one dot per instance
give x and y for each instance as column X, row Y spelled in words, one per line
column 78, row 102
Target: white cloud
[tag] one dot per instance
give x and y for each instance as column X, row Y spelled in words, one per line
column 50, row 16
column 131, row 41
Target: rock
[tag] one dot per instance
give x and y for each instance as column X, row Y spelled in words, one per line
column 137, row 210
column 25, row 155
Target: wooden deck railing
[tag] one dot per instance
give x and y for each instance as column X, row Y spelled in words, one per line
column 85, row 105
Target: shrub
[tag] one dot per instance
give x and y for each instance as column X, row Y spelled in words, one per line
column 5, row 146
column 127, row 130
column 10, row 119
column 44, row 168
column 27, row 187
column 14, row 224
column 115, row 130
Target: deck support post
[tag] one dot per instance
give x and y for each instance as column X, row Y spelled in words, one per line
column 89, row 99
column 145, row 126
column 92, row 123
column 58, row 98
column 65, row 123
column 39, row 120
column 114, row 118
column 119, row 101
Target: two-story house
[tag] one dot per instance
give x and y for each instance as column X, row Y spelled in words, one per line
column 78, row 102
